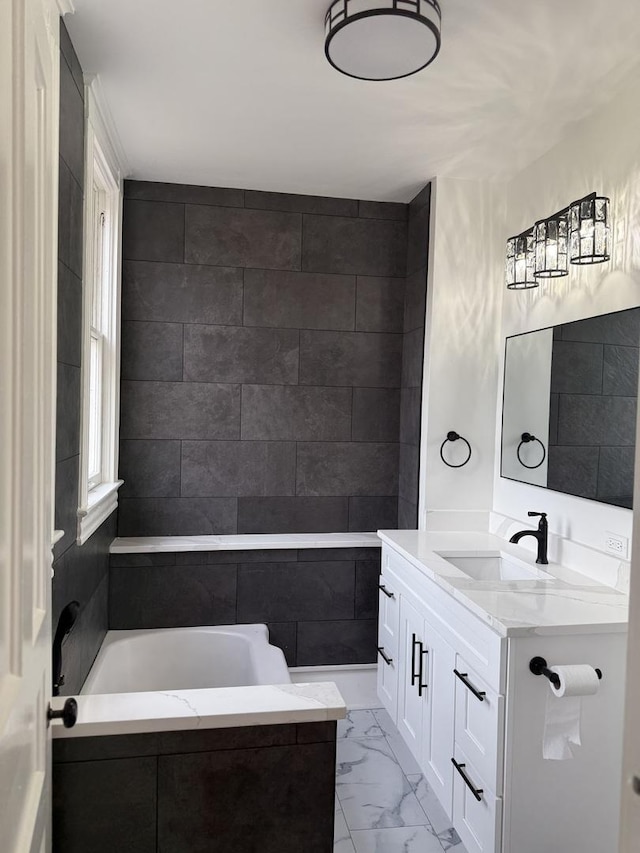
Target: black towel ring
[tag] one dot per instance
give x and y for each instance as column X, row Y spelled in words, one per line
column 526, row 438
column 453, row 436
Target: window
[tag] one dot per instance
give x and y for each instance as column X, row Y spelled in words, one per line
column 98, row 492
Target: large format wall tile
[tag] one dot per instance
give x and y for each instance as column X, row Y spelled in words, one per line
column 71, row 122
column 275, row 800
column 70, row 224
column 279, row 592
column 415, row 300
column 339, row 642
column 615, row 475
column 412, row 358
column 172, row 596
column 278, row 412
column 176, row 516
column 83, row 643
column 153, row 231
column 368, row 514
column 181, row 293
column 347, row 468
column 620, row 376
column 150, row 468
column 380, row 304
column 238, row 468
column 376, row 414
column 300, row 203
column 410, row 415
column 69, row 317
column 409, row 472
column 299, row 300
column 151, row 351
column 293, row 515
column 383, row 210
column 184, row 193
column 354, row 246
column 621, row 328
column 67, row 412
column 184, row 410
column 104, row 806
column 236, row 354
column 574, row 470
column 350, row 358
column 576, row 368
column 225, row 236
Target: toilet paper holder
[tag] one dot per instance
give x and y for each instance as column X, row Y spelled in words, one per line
column 538, row 666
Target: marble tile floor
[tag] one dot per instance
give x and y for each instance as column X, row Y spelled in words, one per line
column 383, row 803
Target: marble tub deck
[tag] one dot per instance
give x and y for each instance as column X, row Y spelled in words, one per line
column 383, row 804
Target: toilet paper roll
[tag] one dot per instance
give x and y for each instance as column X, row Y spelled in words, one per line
column 575, row 680
column 564, row 710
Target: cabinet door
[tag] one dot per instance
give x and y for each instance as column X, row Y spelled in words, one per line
column 412, row 688
column 388, row 646
column 437, row 748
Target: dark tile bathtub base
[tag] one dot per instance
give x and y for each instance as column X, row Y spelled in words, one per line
column 320, row 604
column 175, row 792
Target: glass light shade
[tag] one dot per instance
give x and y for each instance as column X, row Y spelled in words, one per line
column 382, row 39
column 590, row 230
column 551, row 247
column 521, row 262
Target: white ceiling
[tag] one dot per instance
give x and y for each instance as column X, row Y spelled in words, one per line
column 238, row 93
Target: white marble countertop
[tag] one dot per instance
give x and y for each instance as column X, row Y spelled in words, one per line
column 242, row 542
column 568, row 603
column 216, row 708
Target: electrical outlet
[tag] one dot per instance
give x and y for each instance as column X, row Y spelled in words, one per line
column 615, row 544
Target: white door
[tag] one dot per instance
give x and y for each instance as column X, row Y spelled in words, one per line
column 630, row 825
column 28, row 248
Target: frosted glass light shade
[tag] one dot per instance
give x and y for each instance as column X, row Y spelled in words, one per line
column 590, row 230
column 382, row 39
column 551, row 247
column 520, row 268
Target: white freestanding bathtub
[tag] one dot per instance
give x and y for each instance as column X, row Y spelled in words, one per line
column 186, row 659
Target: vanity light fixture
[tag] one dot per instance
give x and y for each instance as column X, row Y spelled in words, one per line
column 382, row 39
column 551, row 246
column 580, row 233
column 521, row 261
column 590, row 225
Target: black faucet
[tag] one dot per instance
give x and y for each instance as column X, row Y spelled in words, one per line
column 541, row 535
column 65, row 624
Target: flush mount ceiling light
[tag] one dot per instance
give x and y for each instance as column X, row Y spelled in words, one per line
column 382, row 39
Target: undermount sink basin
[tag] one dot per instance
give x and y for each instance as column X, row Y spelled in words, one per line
column 493, row 566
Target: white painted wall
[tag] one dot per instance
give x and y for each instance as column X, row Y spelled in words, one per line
column 462, row 345
column 603, row 154
column 470, row 313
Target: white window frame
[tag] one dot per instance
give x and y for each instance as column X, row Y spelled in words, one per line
column 98, row 497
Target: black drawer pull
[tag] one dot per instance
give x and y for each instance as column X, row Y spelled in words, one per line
column 464, row 678
column 414, row 645
column 384, row 657
column 422, row 686
column 477, row 792
column 383, row 588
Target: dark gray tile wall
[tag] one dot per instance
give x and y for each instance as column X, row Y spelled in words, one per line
column 197, row 791
column 414, row 320
column 262, row 348
column 80, row 573
column 594, row 385
column 321, row 605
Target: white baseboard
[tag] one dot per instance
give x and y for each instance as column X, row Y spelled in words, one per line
column 356, row 682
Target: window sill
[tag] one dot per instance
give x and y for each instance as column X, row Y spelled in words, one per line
column 103, row 500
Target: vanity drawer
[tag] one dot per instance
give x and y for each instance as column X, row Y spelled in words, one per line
column 477, row 812
column 388, row 613
column 479, row 720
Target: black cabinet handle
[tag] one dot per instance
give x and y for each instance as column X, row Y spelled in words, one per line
column 415, row 642
column 477, row 792
column 383, row 588
column 422, row 686
column 384, row 657
column 463, row 676
column 68, row 714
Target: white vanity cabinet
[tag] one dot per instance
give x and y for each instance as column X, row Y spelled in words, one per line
column 472, row 713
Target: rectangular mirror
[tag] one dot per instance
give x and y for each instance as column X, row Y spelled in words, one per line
column 569, row 407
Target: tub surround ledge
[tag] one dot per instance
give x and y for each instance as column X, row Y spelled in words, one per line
column 242, row 542
column 179, row 710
